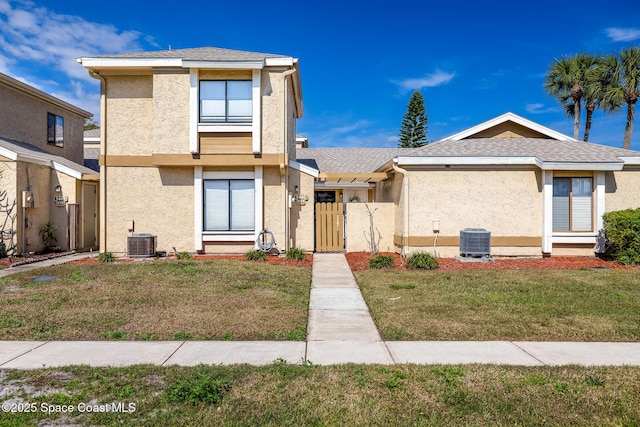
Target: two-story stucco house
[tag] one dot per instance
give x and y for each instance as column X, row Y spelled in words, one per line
column 43, row 179
column 198, row 148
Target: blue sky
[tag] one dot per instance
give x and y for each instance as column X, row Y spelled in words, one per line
column 359, row 61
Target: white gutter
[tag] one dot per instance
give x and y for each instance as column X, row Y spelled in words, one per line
column 509, row 161
column 89, row 62
column 632, row 161
column 233, row 65
column 405, row 231
column 129, row 62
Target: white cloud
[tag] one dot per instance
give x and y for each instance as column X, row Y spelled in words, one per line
column 39, row 45
column 623, row 34
column 539, row 109
column 437, row 78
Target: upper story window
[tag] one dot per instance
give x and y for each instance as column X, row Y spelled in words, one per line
column 225, row 101
column 55, row 130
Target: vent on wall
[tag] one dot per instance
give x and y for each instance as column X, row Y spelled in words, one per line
column 475, row 242
column 141, row 245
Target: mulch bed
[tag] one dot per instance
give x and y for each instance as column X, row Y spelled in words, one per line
column 359, row 261
column 308, row 260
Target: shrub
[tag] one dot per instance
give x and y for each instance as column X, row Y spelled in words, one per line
column 183, row 255
column 256, row 255
column 115, row 335
column 201, row 389
column 381, row 261
column 106, row 257
column 181, row 336
column 622, row 233
column 422, row 260
column 295, row 254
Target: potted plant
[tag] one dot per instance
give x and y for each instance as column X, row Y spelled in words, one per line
column 48, row 234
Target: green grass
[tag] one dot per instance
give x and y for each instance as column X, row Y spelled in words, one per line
column 161, row 300
column 522, row 305
column 354, row 395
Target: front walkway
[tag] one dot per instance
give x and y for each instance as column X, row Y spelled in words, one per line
column 340, row 331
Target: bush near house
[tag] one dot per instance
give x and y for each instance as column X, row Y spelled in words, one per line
column 381, row 261
column 422, row 260
column 622, row 233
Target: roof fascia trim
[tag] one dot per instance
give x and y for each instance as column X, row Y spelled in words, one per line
column 495, row 161
column 509, row 116
column 304, row 168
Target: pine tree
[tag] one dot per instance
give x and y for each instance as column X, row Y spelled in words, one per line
column 413, row 131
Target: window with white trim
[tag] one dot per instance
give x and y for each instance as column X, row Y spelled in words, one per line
column 55, row 130
column 572, row 204
column 226, row 101
column 229, row 205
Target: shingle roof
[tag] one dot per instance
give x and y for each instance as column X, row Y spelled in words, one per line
column 198, row 54
column 348, row 160
column 546, row 150
column 92, row 133
column 31, row 151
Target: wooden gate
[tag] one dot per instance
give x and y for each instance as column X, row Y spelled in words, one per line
column 329, row 227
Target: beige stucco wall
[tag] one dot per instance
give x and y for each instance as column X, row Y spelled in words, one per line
column 129, row 115
column 158, row 200
column 301, row 215
column 37, row 179
column 275, row 205
column 508, row 130
column 42, row 182
column 358, row 232
column 24, row 118
column 622, row 190
column 273, row 110
column 508, row 203
column 171, row 111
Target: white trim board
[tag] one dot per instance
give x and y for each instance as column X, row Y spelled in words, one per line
column 506, row 117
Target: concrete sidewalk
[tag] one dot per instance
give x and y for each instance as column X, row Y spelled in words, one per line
column 340, row 330
column 40, row 354
column 47, row 263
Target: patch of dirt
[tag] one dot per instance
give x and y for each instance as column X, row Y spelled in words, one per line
column 273, row 259
column 308, row 260
column 359, row 261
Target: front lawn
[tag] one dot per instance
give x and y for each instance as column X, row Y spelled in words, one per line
column 222, row 299
column 522, row 305
column 349, row 395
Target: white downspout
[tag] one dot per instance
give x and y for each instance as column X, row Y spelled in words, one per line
column 102, row 233
column 285, row 177
column 405, row 231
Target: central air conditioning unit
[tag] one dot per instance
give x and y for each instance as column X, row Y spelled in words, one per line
column 475, row 242
column 141, row 245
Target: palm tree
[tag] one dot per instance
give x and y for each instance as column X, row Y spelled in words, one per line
column 625, row 87
column 566, row 79
column 599, row 80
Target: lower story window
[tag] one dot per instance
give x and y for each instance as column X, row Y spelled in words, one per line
column 229, row 205
column 572, row 204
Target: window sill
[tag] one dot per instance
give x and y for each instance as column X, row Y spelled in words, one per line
column 576, row 237
column 225, row 127
column 244, row 236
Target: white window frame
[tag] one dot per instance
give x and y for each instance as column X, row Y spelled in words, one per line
column 195, row 128
column 549, row 237
column 202, row 236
